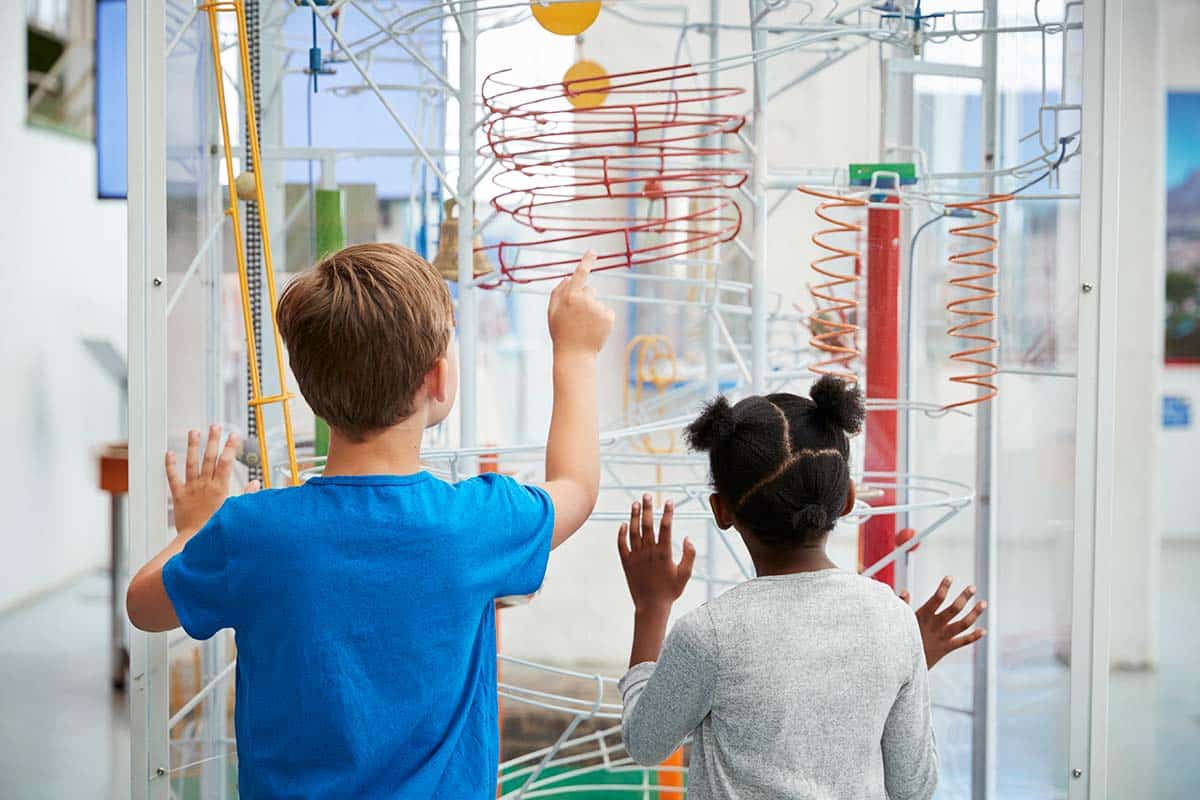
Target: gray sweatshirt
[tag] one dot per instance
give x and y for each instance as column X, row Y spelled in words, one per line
column 810, row 685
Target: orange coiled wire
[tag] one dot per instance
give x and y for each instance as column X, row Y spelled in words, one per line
column 832, row 322
column 982, row 288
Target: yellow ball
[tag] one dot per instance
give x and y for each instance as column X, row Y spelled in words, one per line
column 244, row 186
column 585, row 84
column 565, row 19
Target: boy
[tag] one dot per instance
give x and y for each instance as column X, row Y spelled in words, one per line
column 363, row 600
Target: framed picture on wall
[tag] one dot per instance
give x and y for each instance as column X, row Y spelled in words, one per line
column 1183, row 228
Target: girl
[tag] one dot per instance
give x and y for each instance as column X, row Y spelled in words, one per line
column 808, row 681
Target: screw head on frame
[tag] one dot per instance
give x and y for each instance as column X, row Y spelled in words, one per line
column 157, row 281
column 1077, row 773
column 1087, row 287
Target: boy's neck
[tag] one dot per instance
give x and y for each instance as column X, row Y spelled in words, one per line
column 391, row 451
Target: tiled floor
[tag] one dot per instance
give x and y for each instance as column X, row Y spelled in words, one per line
column 64, row 735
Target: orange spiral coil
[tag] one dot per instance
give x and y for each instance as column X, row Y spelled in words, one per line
column 975, row 327
column 833, row 321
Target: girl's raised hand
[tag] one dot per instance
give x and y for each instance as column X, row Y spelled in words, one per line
column 655, row 580
column 942, row 629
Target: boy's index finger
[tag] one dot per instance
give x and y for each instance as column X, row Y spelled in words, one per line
column 579, row 278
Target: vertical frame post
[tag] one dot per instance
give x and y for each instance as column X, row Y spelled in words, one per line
column 983, row 701
column 1096, row 396
column 712, row 337
column 148, row 674
column 468, row 322
column 758, row 189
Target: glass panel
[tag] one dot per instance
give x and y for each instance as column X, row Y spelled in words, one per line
column 1033, row 462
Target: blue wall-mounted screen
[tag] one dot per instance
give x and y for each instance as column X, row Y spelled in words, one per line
column 112, row 130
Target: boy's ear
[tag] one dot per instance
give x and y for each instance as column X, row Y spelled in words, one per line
column 850, row 497
column 721, row 513
column 437, row 380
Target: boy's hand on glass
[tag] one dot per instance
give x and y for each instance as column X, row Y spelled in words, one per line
column 941, row 633
column 205, row 483
column 655, row 580
column 578, row 321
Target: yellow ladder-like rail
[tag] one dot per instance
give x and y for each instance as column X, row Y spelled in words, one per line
column 257, row 400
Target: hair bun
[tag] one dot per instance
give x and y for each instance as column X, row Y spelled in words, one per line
column 714, row 425
column 811, row 517
column 839, row 402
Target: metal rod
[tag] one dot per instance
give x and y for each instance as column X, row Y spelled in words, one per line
column 983, row 703
column 148, row 674
column 191, row 270
column 468, row 323
column 758, row 175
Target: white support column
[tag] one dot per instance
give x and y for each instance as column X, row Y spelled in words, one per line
column 983, row 701
column 1141, row 214
column 468, row 316
column 712, row 336
column 1095, row 438
column 758, row 190
column 148, row 674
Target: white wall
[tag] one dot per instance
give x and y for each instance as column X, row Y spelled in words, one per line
column 62, row 269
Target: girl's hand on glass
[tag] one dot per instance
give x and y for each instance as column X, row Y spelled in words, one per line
column 655, row 580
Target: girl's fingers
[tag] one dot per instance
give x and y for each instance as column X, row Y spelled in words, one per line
column 966, row 639
column 687, row 562
column 172, row 475
column 905, row 596
column 935, row 600
column 951, row 611
column 192, row 462
column 252, row 487
column 664, row 526
column 958, row 626
column 635, row 526
column 647, row 520
column 211, row 449
column 623, row 541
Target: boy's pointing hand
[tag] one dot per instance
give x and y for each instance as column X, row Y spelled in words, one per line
column 578, row 321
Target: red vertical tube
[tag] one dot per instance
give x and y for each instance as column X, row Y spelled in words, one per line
column 877, row 536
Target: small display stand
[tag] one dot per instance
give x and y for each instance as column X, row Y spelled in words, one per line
column 114, row 479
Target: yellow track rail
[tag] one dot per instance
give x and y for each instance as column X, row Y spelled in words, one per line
column 257, row 400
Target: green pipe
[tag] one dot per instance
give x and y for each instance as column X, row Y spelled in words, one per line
column 329, row 236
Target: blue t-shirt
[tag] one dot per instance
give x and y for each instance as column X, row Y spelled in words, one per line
column 365, row 628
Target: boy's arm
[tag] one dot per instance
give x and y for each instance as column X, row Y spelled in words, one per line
column 196, row 499
column 579, row 325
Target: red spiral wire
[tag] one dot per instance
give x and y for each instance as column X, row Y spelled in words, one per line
column 565, row 168
column 976, row 321
column 833, row 322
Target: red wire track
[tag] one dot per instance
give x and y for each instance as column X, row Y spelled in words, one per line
column 571, row 174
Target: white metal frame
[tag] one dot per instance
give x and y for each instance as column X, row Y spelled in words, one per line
column 149, row 307
column 148, row 673
column 1096, row 388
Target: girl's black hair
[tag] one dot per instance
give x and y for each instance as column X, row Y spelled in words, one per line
column 780, row 461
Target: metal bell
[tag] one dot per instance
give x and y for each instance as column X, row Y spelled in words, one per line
column 446, row 259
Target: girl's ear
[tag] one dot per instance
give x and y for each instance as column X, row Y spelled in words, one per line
column 721, row 513
column 850, row 497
